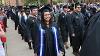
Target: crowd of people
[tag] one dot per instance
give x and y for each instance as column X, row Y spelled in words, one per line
column 47, row 28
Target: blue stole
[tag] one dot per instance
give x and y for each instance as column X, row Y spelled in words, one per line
column 41, row 48
column 41, row 41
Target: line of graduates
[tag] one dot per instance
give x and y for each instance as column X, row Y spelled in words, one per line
column 3, row 19
column 71, row 22
column 48, row 36
column 40, row 32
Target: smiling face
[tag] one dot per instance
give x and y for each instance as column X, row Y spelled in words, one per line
column 34, row 11
column 47, row 16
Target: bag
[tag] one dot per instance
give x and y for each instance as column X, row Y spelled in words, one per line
column 3, row 39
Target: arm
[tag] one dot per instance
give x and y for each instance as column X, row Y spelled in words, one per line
column 28, row 24
column 60, row 42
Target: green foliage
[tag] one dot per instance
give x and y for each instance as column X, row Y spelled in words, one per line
column 0, row 2
column 27, row 2
column 43, row 1
column 57, row 1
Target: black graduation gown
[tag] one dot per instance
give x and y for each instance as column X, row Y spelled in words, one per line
column 91, row 45
column 69, row 23
column 16, row 20
column 24, row 29
column 78, row 25
column 48, row 41
column 86, row 15
column 63, row 26
column 20, row 24
column 32, row 26
column 14, row 17
column 70, row 26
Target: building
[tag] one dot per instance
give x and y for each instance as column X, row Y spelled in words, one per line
column 14, row 2
column 86, row 1
column 21, row 2
column 92, row 1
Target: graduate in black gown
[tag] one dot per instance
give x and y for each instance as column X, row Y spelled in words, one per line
column 78, row 25
column 63, row 25
column 49, row 42
column 15, row 17
column 31, row 23
column 69, row 23
column 91, row 44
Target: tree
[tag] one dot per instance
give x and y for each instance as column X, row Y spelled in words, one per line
column 43, row 1
column 0, row 2
column 27, row 2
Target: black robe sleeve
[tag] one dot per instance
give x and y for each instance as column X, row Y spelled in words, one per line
column 69, row 22
column 33, row 30
column 60, row 41
column 28, row 24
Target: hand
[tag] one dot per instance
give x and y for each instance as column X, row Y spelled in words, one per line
column 35, row 54
column 15, row 28
column 73, row 35
column 30, row 40
column 60, row 53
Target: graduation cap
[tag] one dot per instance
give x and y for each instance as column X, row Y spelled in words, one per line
column 33, row 7
column 45, row 9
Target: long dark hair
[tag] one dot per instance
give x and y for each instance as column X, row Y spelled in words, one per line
column 42, row 17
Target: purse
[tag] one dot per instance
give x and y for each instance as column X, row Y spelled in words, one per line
column 3, row 39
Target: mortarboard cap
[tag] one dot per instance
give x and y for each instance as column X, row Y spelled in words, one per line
column 45, row 8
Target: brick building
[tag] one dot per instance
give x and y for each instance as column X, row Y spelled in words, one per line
column 14, row 2
column 21, row 2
